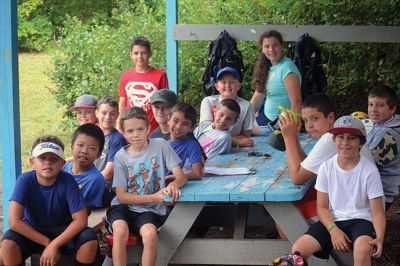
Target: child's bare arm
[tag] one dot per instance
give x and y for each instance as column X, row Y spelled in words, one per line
column 294, row 153
column 242, row 141
column 124, row 197
column 121, row 109
column 196, row 171
column 108, row 171
column 15, row 215
column 79, row 222
column 379, row 222
column 52, row 250
column 340, row 240
column 180, row 177
column 172, row 189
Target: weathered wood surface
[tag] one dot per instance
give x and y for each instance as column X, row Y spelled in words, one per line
column 270, row 182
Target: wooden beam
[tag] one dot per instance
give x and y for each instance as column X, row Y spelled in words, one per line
column 9, row 102
column 379, row 34
column 172, row 45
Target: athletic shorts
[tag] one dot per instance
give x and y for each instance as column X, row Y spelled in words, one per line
column 135, row 220
column 29, row 247
column 352, row 228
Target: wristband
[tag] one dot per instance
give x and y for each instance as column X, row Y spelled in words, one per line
column 237, row 142
column 330, row 227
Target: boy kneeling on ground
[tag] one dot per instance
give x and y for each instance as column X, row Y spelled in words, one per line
column 349, row 201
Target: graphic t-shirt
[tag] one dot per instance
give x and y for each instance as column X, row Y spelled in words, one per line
column 213, row 141
column 138, row 88
column 144, row 172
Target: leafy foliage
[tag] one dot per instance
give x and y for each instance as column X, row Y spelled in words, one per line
column 41, row 21
column 92, row 56
column 90, row 59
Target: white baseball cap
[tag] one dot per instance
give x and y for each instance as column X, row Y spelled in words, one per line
column 348, row 124
column 44, row 147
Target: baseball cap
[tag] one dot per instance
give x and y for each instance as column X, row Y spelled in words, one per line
column 84, row 101
column 165, row 96
column 348, row 124
column 229, row 70
column 45, row 147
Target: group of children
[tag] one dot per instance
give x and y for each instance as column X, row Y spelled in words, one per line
column 128, row 160
column 129, row 155
column 355, row 183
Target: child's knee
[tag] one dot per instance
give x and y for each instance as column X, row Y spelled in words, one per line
column 148, row 232
column 362, row 247
column 120, row 230
column 9, row 247
column 306, row 245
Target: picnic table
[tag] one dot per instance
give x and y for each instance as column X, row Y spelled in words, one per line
column 267, row 183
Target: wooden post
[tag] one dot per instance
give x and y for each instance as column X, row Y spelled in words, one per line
column 9, row 102
column 172, row 45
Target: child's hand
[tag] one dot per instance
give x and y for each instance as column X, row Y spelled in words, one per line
column 159, row 196
column 378, row 246
column 50, row 255
column 173, row 191
column 340, row 240
column 246, row 142
column 287, row 125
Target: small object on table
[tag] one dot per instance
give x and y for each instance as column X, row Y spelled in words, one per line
column 258, row 154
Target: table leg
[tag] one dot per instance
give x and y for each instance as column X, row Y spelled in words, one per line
column 241, row 221
column 174, row 230
column 293, row 225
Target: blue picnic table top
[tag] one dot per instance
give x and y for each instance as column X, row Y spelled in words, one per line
column 270, row 182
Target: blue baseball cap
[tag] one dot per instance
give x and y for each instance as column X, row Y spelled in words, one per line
column 229, row 70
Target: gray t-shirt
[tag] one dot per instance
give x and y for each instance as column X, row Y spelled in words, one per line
column 213, row 141
column 144, row 172
column 246, row 118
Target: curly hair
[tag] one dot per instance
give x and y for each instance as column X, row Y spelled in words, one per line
column 263, row 65
column 48, row 138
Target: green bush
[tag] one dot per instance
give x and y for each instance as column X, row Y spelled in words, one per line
column 91, row 58
column 351, row 68
column 34, row 27
column 40, row 21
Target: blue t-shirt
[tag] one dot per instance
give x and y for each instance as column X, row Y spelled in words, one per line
column 91, row 184
column 113, row 143
column 48, row 207
column 276, row 90
column 188, row 151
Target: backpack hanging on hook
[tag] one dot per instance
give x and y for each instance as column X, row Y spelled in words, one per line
column 222, row 52
column 306, row 55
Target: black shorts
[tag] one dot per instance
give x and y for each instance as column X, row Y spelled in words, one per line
column 352, row 228
column 135, row 220
column 29, row 247
column 108, row 195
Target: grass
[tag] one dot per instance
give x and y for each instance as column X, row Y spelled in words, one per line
column 39, row 111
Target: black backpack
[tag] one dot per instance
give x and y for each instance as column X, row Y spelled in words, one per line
column 222, row 52
column 306, row 55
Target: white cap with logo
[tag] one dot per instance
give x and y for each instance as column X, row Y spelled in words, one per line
column 44, row 147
